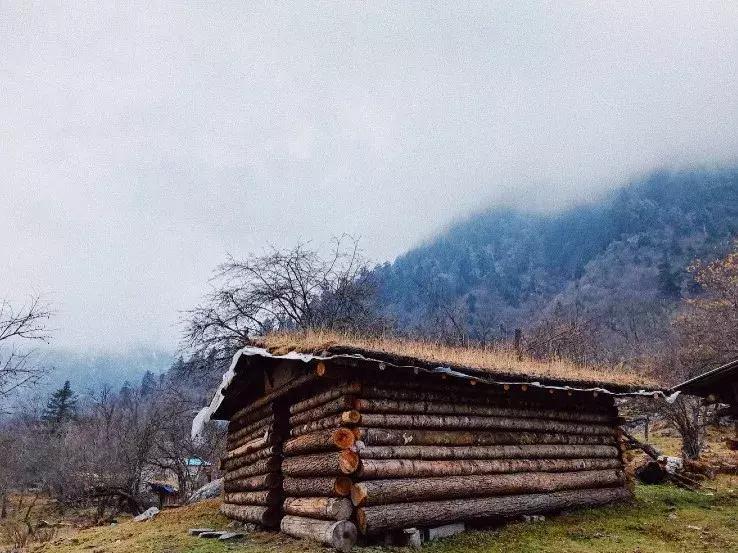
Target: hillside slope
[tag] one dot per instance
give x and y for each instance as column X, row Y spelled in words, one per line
column 623, row 259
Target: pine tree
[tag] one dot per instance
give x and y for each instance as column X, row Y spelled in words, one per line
column 62, row 405
column 148, row 383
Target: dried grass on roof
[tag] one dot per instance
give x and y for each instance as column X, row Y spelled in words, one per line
column 495, row 361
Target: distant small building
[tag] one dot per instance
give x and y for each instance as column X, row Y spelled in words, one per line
column 325, row 439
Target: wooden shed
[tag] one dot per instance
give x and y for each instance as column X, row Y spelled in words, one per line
column 365, row 438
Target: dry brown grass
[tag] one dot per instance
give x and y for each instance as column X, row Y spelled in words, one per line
column 495, row 361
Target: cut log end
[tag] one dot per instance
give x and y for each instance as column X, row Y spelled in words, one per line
column 358, row 494
column 349, row 462
column 344, row 438
column 343, row 486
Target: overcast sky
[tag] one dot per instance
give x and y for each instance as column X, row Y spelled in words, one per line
column 139, row 144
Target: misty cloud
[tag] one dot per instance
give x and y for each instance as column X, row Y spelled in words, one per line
column 141, row 143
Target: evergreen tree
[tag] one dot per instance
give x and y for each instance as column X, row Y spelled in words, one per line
column 668, row 280
column 62, row 405
column 148, row 383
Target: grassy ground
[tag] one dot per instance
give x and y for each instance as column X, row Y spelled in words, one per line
column 662, row 519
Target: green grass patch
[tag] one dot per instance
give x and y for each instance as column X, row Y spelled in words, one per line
column 661, row 519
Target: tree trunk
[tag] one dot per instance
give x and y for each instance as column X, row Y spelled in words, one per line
column 374, row 520
column 434, row 408
column 405, row 468
column 269, row 498
column 322, row 464
column 328, row 508
column 317, row 487
column 333, row 407
column 323, row 440
column 385, row 436
column 380, row 492
column 447, row 422
column 262, row 482
column 431, row 452
column 266, row 516
column 339, row 535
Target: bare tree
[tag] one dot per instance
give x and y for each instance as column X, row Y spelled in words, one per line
column 295, row 289
column 27, row 323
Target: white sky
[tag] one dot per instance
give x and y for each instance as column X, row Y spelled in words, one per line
column 141, row 143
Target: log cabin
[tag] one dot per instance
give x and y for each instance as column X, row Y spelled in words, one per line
column 350, row 439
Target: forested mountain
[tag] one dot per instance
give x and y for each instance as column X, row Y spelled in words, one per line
column 615, row 268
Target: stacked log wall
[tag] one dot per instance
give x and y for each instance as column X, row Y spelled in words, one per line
column 253, row 481
column 319, row 459
column 471, row 454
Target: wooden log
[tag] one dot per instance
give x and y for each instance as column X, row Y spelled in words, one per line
column 323, row 440
column 339, row 486
column 347, row 418
column 380, row 518
column 263, row 466
column 389, row 436
column 331, row 408
column 322, row 464
column 381, row 492
column 245, row 416
column 265, row 516
column 489, row 396
column 251, row 430
column 262, row 497
column 327, row 508
column 324, row 397
column 448, row 422
column 259, row 433
column 407, row 468
column 368, row 405
column 254, row 483
column 432, row 452
column 340, row 535
column 249, row 458
column 248, row 447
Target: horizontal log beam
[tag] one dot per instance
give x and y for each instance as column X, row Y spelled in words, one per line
column 339, row 486
column 403, row 490
column 326, row 508
column 323, row 440
column 269, row 481
column 270, row 498
column 249, row 458
column 248, row 447
column 347, row 418
column 406, row 468
column 331, row 408
column 340, row 535
column 322, row 464
column 380, row 518
column 392, row 436
column 495, row 396
column 263, row 466
column 448, row 422
column 265, row 516
column 368, row 405
column 324, row 397
column 431, row 452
